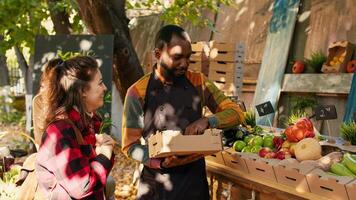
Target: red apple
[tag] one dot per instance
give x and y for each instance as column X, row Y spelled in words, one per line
column 277, row 142
column 271, row 155
column 264, row 151
column 284, row 154
column 298, row 67
column 351, row 66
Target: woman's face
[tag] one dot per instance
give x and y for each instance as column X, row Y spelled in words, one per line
column 94, row 96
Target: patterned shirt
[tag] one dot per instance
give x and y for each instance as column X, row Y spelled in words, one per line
column 226, row 113
column 67, row 170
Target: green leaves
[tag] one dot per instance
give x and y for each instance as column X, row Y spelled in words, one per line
column 348, row 132
column 182, row 11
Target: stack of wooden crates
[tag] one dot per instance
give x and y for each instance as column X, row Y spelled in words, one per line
column 222, row 63
column 226, row 66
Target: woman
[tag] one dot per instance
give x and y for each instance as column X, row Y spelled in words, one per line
column 73, row 163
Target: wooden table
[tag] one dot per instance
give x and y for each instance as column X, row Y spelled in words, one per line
column 242, row 185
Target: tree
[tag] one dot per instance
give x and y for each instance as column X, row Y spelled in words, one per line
column 21, row 21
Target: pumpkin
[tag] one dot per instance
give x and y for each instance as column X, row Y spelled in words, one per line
column 307, row 149
column 301, row 129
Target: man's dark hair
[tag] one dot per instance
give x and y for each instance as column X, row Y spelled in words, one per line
column 164, row 35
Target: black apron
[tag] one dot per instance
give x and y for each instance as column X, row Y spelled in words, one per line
column 172, row 107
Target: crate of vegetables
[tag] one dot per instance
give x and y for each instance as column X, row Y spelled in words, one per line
column 333, row 175
column 234, row 160
column 328, row 185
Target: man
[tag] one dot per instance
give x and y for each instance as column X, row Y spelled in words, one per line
column 171, row 98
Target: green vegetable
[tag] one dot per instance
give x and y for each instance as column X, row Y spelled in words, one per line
column 350, row 162
column 341, row 170
column 348, row 132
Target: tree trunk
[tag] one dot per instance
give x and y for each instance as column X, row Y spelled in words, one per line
column 25, row 69
column 4, row 71
column 60, row 19
column 109, row 17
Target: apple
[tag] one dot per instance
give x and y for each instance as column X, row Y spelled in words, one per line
column 351, row 66
column 298, row 67
column 271, row 155
column 264, row 151
column 283, row 154
column 277, row 142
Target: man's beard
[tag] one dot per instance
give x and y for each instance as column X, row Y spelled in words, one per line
column 169, row 74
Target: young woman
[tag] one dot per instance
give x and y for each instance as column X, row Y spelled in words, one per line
column 72, row 162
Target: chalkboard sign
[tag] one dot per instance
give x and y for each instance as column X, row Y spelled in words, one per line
column 265, row 108
column 325, row 112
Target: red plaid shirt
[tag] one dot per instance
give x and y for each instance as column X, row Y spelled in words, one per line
column 67, row 170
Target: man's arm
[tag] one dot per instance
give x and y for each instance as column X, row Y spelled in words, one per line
column 226, row 112
column 132, row 127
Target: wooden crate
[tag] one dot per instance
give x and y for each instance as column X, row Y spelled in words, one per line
column 216, row 158
column 294, row 175
column 222, row 66
column 195, row 66
column 228, row 52
column 199, row 46
column 226, row 76
column 330, row 186
column 260, row 167
column 351, row 190
column 234, row 160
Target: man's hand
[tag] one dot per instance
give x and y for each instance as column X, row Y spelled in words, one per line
column 173, row 161
column 198, row 127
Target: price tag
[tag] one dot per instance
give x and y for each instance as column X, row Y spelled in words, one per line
column 265, row 108
column 325, row 112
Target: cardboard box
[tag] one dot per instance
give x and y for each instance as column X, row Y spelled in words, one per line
column 216, row 158
column 293, row 174
column 234, row 160
column 351, row 190
column 168, row 143
column 327, row 185
column 260, row 167
column 339, row 54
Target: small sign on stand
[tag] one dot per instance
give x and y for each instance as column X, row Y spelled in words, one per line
column 326, row 112
column 264, row 109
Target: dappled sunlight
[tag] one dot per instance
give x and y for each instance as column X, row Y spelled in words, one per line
column 252, row 25
column 137, row 154
column 240, row 13
column 165, row 180
column 144, row 189
column 100, row 62
column 85, row 45
column 304, row 16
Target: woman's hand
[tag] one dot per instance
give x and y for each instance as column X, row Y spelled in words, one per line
column 104, row 139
